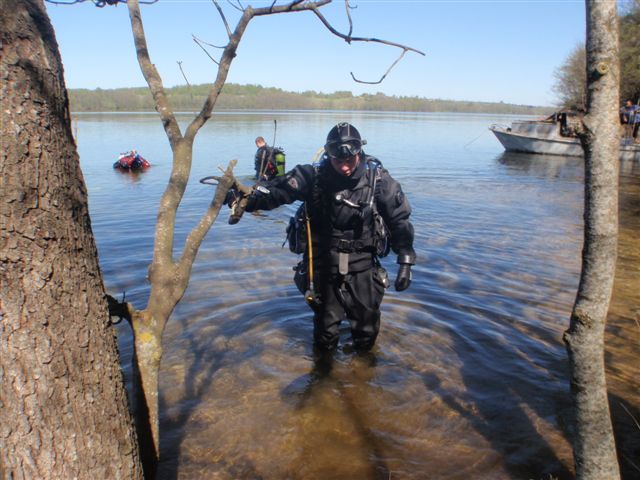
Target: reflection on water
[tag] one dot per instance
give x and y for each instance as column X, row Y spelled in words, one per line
column 469, row 376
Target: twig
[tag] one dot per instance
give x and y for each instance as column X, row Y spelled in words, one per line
column 237, row 7
column 348, row 38
column 185, row 79
column 151, row 75
column 183, row 74
column 385, row 73
column 224, row 19
column 200, row 43
column 97, row 3
column 294, row 6
column 208, row 44
column 348, row 7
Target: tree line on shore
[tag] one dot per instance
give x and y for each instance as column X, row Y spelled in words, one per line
column 256, row 97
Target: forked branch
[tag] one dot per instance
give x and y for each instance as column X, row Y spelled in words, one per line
column 238, row 6
column 200, row 43
column 349, row 38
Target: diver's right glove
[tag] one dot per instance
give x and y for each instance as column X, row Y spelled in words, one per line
column 403, row 278
column 232, row 197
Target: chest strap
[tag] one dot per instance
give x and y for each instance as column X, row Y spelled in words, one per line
column 353, row 246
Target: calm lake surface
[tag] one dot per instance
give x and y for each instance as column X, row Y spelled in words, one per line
column 469, row 377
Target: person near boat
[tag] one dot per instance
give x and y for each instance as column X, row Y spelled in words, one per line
column 131, row 160
column 269, row 161
column 630, row 119
column 354, row 213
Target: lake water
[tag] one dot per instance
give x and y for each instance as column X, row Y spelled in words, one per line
column 469, row 376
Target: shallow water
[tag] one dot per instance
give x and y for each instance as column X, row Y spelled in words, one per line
column 469, row 375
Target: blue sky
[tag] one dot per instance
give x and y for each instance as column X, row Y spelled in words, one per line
column 475, row 50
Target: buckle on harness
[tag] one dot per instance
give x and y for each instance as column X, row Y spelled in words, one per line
column 351, row 246
column 345, row 246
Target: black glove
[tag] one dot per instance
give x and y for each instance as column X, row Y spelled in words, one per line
column 403, row 279
column 232, row 197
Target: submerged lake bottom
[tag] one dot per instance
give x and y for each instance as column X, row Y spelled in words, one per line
column 469, row 376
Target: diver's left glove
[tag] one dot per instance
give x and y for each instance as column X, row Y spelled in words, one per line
column 403, row 279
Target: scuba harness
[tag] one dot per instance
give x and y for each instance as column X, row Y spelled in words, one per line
column 299, row 234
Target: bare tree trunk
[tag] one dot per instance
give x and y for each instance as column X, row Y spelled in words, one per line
column 593, row 444
column 63, row 401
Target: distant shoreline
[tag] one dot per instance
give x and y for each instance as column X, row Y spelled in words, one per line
column 218, row 111
column 245, row 98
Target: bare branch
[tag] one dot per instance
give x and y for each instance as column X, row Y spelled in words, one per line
column 97, row 3
column 237, row 7
column 347, row 8
column 385, row 73
column 224, row 19
column 223, row 70
column 230, row 52
column 186, row 80
column 152, row 76
column 182, row 71
column 349, row 39
column 163, row 245
column 221, row 47
column 200, row 42
column 294, row 6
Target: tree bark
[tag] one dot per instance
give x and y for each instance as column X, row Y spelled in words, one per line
column 593, row 443
column 64, row 406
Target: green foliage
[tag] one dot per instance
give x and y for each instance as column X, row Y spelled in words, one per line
column 571, row 78
column 630, row 54
column 256, row 97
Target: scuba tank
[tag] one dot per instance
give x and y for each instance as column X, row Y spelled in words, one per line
column 280, row 162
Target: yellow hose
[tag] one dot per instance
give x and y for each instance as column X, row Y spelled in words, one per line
column 310, row 294
column 310, row 249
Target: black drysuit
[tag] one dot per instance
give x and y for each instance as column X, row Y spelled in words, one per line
column 347, row 275
column 264, row 163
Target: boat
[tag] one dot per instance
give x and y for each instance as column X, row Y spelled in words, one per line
column 131, row 161
column 554, row 135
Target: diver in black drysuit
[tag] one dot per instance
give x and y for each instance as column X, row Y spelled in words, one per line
column 347, row 275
